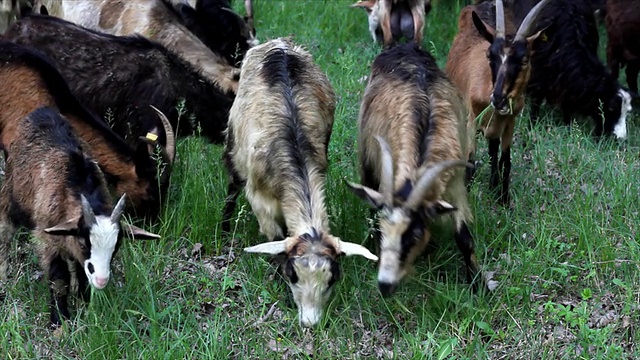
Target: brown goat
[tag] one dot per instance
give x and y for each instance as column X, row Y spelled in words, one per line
column 622, row 21
column 412, row 139
column 59, row 193
column 279, row 130
column 134, row 172
column 491, row 71
column 396, row 18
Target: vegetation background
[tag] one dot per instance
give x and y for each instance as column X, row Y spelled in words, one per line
column 565, row 251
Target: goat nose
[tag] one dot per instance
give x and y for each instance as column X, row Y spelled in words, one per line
column 101, row 282
column 387, row 289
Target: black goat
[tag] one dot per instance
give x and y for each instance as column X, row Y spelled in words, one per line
column 122, row 76
column 566, row 70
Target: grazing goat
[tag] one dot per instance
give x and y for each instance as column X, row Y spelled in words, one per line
column 222, row 30
column 156, row 20
column 567, row 73
column 492, row 70
column 623, row 49
column 412, row 141
column 35, row 82
column 59, row 193
column 390, row 20
column 124, row 75
column 279, row 130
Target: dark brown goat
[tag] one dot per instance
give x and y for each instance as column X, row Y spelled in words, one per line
column 623, row 49
column 30, row 75
column 59, row 193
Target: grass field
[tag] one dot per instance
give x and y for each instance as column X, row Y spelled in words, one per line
column 565, row 252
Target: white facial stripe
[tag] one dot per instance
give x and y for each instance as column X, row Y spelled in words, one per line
column 620, row 129
column 103, row 237
column 311, row 292
column 392, row 226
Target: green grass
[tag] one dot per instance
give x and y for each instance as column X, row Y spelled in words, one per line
column 565, row 253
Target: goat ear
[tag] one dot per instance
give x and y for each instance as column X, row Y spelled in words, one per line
column 366, row 5
column 69, row 228
column 272, row 247
column 374, row 198
column 532, row 38
column 485, row 30
column 349, row 249
column 440, row 207
column 134, row 232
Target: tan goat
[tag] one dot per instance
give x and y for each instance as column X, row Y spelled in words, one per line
column 279, row 130
column 412, row 140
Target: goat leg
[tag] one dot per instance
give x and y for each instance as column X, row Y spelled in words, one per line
column 633, row 68
column 83, row 283
column 505, row 161
column 494, row 145
column 385, row 22
column 418, row 24
column 233, row 191
column 464, row 240
column 59, row 281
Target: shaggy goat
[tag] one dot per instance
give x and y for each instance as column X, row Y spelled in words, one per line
column 155, row 20
column 216, row 24
column 59, row 193
column 390, row 20
column 492, row 70
column 412, row 139
column 124, row 75
column 279, row 130
column 35, row 82
column 567, row 73
column 623, row 26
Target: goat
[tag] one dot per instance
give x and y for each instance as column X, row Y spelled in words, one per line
column 219, row 27
column 499, row 82
column 59, row 193
column 622, row 21
column 412, row 139
column 132, row 170
column 154, row 19
column 390, row 20
column 276, row 148
column 566, row 71
column 124, row 75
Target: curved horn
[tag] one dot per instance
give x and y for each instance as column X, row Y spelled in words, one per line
column 386, row 176
column 87, row 211
column 427, row 179
column 248, row 7
column 500, row 27
column 170, row 147
column 529, row 21
column 116, row 213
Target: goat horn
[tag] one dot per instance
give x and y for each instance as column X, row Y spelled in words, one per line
column 500, row 27
column 528, row 22
column 248, row 6
column 117, row 211
column 87, row 211
column 427, row 179
column 386, row 176
column 170, row 148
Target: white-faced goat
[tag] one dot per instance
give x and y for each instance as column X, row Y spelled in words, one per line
column 130, row 169
column 57, row 192
column 492, row 70
column 412, row 146
column 279, row 130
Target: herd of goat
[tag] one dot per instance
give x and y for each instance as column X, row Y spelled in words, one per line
column 104, row 79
